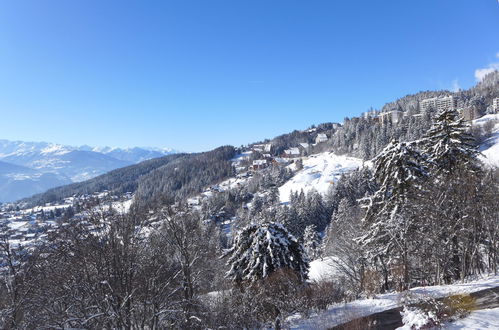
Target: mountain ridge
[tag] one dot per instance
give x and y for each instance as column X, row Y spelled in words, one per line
column 58, row 164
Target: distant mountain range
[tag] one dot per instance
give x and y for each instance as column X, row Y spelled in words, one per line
column 28, row 168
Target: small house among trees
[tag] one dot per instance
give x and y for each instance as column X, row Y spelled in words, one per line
column 259, row 164
column 292, row 153
column 321, row 137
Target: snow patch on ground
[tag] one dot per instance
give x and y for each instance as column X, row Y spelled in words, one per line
column 485, row 119
column 319, row 172
column 482, row 319
column 122, row 207
column 322, row 269
column 490, row 148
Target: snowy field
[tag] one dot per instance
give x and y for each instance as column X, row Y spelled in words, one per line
column 319, row 171
column 341, row 313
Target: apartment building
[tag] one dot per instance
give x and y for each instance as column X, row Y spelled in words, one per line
column 437, row 103
column 495, row 104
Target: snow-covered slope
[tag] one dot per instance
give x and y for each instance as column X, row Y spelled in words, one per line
column 490, row 148
column 319, row 172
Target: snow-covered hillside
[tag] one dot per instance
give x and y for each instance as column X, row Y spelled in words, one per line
column 319, row 172
column 490, row 148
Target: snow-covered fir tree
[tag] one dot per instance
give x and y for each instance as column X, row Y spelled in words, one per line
column 397, row 168
column 311, row 241
column 316, row 211
column 261, row 249
column 456, row 188
column 389, row 219
column 448, row 143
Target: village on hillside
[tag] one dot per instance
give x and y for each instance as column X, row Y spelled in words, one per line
column 28, row 226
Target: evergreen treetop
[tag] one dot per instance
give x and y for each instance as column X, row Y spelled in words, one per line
column 261, row 249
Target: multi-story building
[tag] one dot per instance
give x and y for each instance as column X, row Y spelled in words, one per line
column 468, row 113
column 437, row 103
column 495, row 104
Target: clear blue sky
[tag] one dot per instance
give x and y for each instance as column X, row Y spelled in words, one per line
column 193, row 75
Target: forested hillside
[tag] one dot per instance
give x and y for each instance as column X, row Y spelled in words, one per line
column 365, row 136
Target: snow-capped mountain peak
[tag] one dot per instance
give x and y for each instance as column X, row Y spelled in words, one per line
column 55, row 149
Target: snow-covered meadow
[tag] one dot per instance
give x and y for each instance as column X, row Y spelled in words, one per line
column 319, row 172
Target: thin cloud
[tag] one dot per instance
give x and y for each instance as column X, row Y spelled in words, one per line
column 455, row 86
column 481, row 73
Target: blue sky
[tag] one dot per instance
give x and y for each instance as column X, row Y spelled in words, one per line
column 193, row 75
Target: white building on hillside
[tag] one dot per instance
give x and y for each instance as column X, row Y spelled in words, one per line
column 438, row 103
column 495, row 104
column 468, row 113
column 292, row 152
column 321, row 137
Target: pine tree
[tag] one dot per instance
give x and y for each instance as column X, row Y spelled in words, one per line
column 456, row 174
column 261, row 249
column 389, row 219
column 311, row 241
column 316, row 212
column 448, row 143
column 273, row 196
column 291, row 220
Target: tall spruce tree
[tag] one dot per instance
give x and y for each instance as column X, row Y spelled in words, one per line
column 449, row 144
column 311, row 241
column 389, row 220
column 454, row 186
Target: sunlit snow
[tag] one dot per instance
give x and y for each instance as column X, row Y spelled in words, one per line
column 319, row 172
